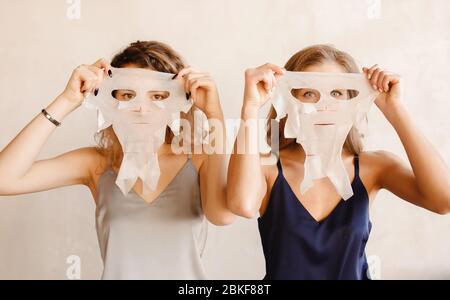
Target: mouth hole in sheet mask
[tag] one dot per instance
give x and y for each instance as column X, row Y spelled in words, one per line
column 128, row 95
column 307, row 95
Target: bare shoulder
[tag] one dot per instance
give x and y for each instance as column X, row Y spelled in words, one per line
column 269, row 167
column 91, row 155
column 199, row 160
column 379, row 159
column 94, row 160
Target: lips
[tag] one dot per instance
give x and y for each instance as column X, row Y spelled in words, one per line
column 324, row 124
column 326, row 118
column 327, row 110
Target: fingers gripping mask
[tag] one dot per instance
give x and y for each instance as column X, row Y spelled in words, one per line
column 139, row 104
column 321, row 109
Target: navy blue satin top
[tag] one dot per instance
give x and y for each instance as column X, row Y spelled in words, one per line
column 297, row 247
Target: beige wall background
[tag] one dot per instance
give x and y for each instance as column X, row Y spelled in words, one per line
column 42, row 41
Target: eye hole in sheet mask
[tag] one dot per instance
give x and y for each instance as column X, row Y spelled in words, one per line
column 128, row 95
column 349, row 94
column 306, row 95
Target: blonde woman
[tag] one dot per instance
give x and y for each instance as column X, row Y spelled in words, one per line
column 318, row 235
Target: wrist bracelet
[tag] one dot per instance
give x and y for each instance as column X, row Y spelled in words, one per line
column 48, row 117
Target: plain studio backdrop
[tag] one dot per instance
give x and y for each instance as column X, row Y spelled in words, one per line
column 43, row 41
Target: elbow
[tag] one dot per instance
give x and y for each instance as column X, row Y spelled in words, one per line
column 246, row 212
column 8, row 192
column 5, row 190
column 444, row 206
column 218, row 215
column 442, row 211
column 223, row 220
column 9, row 186
column 241, row 208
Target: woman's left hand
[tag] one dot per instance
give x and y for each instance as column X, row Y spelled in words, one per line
column 388, row 84
column 201, row 87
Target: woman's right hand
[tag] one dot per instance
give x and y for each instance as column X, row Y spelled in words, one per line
column 85, row 79
column 259, row 82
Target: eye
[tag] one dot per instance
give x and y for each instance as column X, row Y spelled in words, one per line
column 128, row 96
column 306, row 95
column 343, row 94
column 158, row 96
column 336, row 94
column 123, row 95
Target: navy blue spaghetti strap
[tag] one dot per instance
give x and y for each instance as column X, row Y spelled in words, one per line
column 296, row 246
column 280, row 169
column 356, row 162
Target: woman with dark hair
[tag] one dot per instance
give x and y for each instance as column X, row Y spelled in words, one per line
column 160, row 235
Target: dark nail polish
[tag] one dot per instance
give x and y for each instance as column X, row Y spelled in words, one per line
column 176, row 75
column 110, row 73
column 96, row 92
column 188, row 96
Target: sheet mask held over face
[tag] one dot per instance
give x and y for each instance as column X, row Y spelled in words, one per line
column 139, row 122
column 322, row 127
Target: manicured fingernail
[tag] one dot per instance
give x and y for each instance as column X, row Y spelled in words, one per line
column 374, row 87
column 370, row 76
column 380, row 90
column 96, row 92
column 176, row 75
column 188, row 96
column 110, row 73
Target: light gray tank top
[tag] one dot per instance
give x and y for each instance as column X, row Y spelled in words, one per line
column 161, row 240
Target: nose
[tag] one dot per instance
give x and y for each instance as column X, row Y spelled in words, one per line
column 326, row 106
column 142, row 107
column 138, row 108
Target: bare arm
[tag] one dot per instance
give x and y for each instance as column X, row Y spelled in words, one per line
column 20, row 172
column 427, row 182
column 247, row 185
column 213, row 180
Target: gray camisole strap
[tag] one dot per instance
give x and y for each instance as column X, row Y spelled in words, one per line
column 161, row 240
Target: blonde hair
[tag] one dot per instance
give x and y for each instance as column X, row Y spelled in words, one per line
column 143, row 54
column 314, row 55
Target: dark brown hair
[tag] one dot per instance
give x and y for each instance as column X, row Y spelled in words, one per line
column 314, row 55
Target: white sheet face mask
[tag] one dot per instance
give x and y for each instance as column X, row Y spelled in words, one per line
column 320, row 116
column 139, row 104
